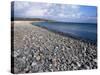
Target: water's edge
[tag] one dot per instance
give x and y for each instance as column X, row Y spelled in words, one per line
column 67, row 35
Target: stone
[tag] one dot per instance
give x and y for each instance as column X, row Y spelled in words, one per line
column 34, row 68
column 16, row 53
column 33, row 64
column 46, row 51
column 38, row 58
column 95, row 60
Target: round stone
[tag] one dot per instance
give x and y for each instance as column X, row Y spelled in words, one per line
column 38, row 58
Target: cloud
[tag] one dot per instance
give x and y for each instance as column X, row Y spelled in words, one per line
column 29, row 9
column 70, row 11
column 35, row 12
column 21, row 5
column 50, row 10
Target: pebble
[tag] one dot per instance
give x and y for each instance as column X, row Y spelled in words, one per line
column 50, row 52
column 38, row 58
column 34, row 63
column 16, row 53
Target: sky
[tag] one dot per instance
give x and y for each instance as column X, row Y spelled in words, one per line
column 58, row 12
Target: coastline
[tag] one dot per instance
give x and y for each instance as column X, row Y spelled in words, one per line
column 68, row 35
column 45, row 51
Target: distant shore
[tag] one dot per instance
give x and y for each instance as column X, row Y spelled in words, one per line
column 37, row 49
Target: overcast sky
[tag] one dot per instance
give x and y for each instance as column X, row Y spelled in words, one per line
column 59, row 12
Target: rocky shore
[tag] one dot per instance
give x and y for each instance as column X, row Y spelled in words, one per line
column 38, row 50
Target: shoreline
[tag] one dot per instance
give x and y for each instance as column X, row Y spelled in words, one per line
column 58, row 32
column 36, row 49
column 68, row 35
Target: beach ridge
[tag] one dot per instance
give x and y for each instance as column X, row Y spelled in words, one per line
column 37, row 49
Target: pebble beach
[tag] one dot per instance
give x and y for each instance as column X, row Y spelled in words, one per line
column 37, row 49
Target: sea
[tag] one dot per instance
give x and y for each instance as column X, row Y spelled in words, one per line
column 86, row 31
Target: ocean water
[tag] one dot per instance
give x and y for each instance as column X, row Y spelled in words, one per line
column 81, row 30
